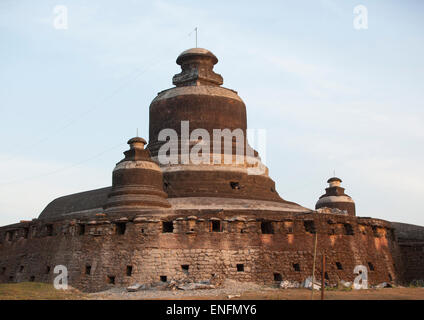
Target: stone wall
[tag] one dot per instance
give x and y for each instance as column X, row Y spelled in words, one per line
column 103, row 252
column 411, row 243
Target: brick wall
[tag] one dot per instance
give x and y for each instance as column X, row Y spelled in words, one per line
column 411, row 244
column 247, row 246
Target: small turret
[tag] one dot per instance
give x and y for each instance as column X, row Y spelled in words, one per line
column 335, row 198
column 137, row 182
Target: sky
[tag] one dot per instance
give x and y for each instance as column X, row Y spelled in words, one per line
column 331, row 97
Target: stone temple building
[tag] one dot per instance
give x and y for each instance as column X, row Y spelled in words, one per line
column 163, row 221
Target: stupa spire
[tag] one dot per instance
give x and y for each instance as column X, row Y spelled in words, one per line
column 197, row 69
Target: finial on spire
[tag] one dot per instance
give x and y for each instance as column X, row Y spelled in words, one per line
column 137, row 143
column 197, row 69
column 334, row 181
column 195, row 31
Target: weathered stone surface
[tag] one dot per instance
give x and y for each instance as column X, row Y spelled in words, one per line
column 195, row 286
column 135, row 287
column 346, row 284
column 251, row 256
column 309, row 284
column 218, row 222
column 286, row 284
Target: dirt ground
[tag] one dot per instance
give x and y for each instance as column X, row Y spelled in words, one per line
column 231, row 290
column 244, row 292
column 305, row 294
column 295, row 294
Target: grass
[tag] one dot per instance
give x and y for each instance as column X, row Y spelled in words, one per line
column 417, row 284
column 37, row 291
column 45, row 291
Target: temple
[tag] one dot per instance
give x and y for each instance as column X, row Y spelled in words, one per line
column 197, row 202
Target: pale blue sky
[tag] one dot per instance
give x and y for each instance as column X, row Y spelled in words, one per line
column 331, row 97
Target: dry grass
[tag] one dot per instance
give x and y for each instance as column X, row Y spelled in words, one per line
column 37, row 291
column 44, row 291
column 371, row 294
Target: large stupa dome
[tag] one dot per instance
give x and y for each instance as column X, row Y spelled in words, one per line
column 198, row 101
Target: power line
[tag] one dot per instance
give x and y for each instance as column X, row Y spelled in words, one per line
column 131, row 77
column 63, row 168
column 138, row 72
column 72, row 121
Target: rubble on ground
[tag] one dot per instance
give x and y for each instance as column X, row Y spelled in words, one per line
column 134, row 287
column 307, row 283
column 184, row 284
column 286, row 284
column 346, row 284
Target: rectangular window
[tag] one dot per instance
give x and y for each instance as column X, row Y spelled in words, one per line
column 120, row 227
column 167, row 226
column 49, row 230
column 296, row 267
column 235, row 185
column 266, row 227
column 185, row 268
column 88, row 269
column 216, row 226
column 81, row 229
column 339, row 266
column 278, row 277
column 309, row 226
column 240, row 267
column 129, row 271
column 371, row 266
column 348, row 230
column 163, row 278
column 111, row 279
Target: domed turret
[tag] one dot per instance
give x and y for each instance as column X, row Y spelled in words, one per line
column 197, row 69
column 335, row 198
column 199, row 103
column 137, row 182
